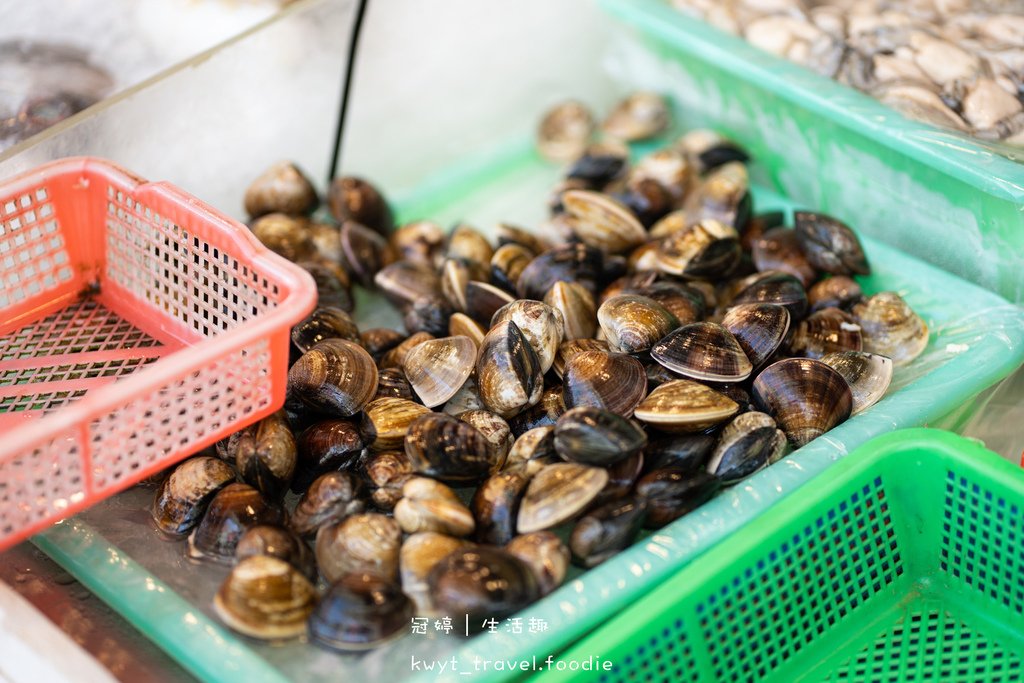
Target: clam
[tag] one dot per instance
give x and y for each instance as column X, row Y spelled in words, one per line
column 276, row 541
column 494, row 429
column 282, row 188
column 466, row 243
column 266, row 598
column 806, row 397
column 545, row 412
column 331, row 497
column 685, row 406
column 567, row 350
column 363, row 252
column 829, row 244
column 633, row 323
column 826, row 331
column 183, row 496
column 392, row 383
column 386, row 421
column 759, row 329
column 606, row 530
column 286, row 236
column 466, row 398
column 545, row 555
column 511, row 234
column 495, row 506
column 508, row 263
column 723, row 197
column 266, row 455
column 324, row 446
column 639, row 116
column 758, row 225
column 335, row 376
column 403, row 282
column 573, row 263
column 669, row 168
column 592, row 436
column 379, row 340
column 541, row 325
column 332, row 286
column 600, row 165
column 355, row 199
column 671, row 493
column 687, row 452
column 444, row 447
column 838, row 291
column 326, row 240
column 437, row 368
column 705, row 249
column 455, row 277
column 779, row 249
column 482, row 583
column 612, row 381
column 746, row 444
column 868, row 375
column 602, row 222
column 774, row 287
column 508, row 371
column 678, row 298
column 360, row 611
column 576, row 304
column 324, row 323
column 461, row 325
column 388, row 472
column 557, row 493
column 395, row 358
column 428, row 314
column 622, row 477
column 891, row 328
column 429, row 505
column 709, row 150
column 419, row 554
column 705, row 351
column 367, row 542
column 233, row 509
column 564, row 131
column 532, row 451
column 484, row 300
column 419, row 242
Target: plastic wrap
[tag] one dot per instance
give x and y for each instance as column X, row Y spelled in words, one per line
column 936, row 194
column 976, row 339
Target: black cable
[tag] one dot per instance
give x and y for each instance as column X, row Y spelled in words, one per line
column 346, row 85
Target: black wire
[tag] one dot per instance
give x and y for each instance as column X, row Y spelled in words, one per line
column 346, row 86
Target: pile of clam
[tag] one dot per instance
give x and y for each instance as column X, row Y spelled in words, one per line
column 547, row 399
column 953, row 64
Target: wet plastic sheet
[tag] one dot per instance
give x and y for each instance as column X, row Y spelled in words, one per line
column 977, row 338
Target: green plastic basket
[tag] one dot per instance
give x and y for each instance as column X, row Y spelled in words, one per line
column 904, row 563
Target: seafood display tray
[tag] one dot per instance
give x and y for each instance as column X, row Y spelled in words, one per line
column 903, row 566
column 115, row 551
column 826, row 145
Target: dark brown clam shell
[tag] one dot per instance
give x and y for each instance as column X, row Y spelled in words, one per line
column 403, row 282
column 183, row 496
column 483, row 583
column 359, row 612
column 632, row 323
column 508, row 371
column 599, row 165
column 324, row 323
column 266, row 455
column 774, row 287
column 420, row 242
column 541, row 325
column 282, row 188
column 494, row 429
column 779, row 249
column 746, row 444
column 826, row 331
column 758, row 225
column 708, row 249
column 428, row 314
column 687, row 452
column 335, row 376
column 331, row 289
column 508, row 263
column 806, row 397
column 597, row 437
column 355, row 199
column 622, row 477
column 705, row 351
column 511, row 234
column 276, row 541
column 483, row 300
column 572, row 263
column 446, row 448
column 392, row 383
column 544, row 413
column 362, row 252
column 606, row 530
column 838, row 291
column 679, row 298
column 672, row 493
column 234, row 509
column 379, row 340
column 330, row 498
column 545, row 555
column 365, row 542
column 611, row 381
column 324, row 446
column 760, row 329
column 829, row 244
column 495, row 506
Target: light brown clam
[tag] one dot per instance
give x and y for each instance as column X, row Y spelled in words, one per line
column 335, row 376
column 806, row 397
column 286, row 236
column 395, row 357
column 705, row 351
column 508, row 371
column 868, row 375
column 612, row 381
column 420, row 242
column 705, row 249
column 429, row 505
column 508, row 263
column 532, row 451
column 669, row 168
column 722, row 197
column 541, row 325
column 388, row 472
column 367, row 542
column 685, row 406
column 461, row 325
column 282, row 188
column 545, row 554
column 633, row 323
column 466, row 398
column 557, row 493
column 564, row 131
column 639, row 116
column 493, row 428
column 576, row 304
column 403, row 282
column 891, row 328
column 567, row 350
column 602, row 222
column 386, row 421
column 419, row 554
column 437, row 368
column 465, row 242
column 267, row 598
column 352, row 198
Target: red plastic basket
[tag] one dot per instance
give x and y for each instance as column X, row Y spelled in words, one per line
column 137, row 325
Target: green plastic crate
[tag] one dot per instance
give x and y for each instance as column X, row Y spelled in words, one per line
column 826, row 145
column 905, row 562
